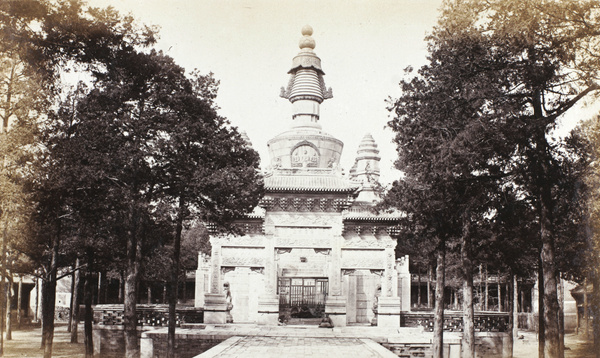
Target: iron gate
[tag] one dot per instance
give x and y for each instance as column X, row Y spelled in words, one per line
column 302, row 297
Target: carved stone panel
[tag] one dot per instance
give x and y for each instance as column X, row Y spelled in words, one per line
column 363, row 259
column 233, row 240
column 243, row 256
column 304, row 219
column 303, row 241
column 368, row 242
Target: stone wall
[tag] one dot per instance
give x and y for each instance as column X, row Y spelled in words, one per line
column 109, row 334
column 487, row 345
column 186, row 345
column 484, row 322
column 109, row 341
column 147, row 315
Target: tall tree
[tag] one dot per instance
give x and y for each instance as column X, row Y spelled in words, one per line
column 588, row 137
column 150, row 137
column 20, row 104
column 500, row 75
column 211, row 172
column 48, row 36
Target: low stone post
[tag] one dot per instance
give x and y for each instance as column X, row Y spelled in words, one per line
column 202, row 279
column 268, row 303
column 215, row 304
column 404, row 283
column 389, row 304
column 146, row 346
column 335, row 303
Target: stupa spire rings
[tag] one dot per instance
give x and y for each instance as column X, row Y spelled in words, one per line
column 306, row 82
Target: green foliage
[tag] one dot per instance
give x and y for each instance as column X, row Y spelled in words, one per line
column 472, row 125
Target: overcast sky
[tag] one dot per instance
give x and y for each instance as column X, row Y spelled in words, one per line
column 364, row 47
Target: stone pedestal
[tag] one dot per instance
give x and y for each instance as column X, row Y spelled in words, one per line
column 335, row 308
column 215, row 308
column 388, row 312
column 202, row 285
column 268, row 310
column 404, row 280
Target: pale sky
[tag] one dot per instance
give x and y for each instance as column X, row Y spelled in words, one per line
column 364, row 47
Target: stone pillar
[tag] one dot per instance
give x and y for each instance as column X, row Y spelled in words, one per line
column 146, row 346
column 389, row 305
column 402, row 267
column 335, row 308
column 202, row 279
column 215, row 308
column 335, row 304
column 215, row 305
column 268, row 303
column 388, row 312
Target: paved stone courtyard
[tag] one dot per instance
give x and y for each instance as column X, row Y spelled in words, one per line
column 297, row 347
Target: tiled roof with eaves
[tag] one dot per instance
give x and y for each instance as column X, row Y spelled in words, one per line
column 309, row 183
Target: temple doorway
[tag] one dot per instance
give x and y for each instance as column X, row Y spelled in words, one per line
column 360, row 288
column 302, row 299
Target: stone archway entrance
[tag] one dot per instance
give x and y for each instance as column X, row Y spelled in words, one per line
column 360, row 288
column 302, row 298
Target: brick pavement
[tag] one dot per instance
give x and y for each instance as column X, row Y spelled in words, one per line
column 297, row 347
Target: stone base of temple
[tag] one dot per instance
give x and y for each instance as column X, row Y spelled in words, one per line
column 335, row 308
column 268, row 310
column 215, row 308
column 388, row 312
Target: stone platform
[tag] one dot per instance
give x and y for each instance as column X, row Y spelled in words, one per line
column 297, row 347
column 250, row 340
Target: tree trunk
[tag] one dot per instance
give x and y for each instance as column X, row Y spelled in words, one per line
column 130, row 319
column 149, row 293
column 98, row 288
column 19, row 299
column 38, row 294
column 515, row 307
column 48, row 302
column 49, row 298
column 3, row 287
column 561, row 317
column 596, row 306
column 499, row 294
column 438, row 321
column 134, row 258
column 551, row 341
column 429, row 290
column 419, row 286
column 485, row 277
column 9, row 285
column 545, row 205
column 76, row 301
column 184, row 288
column 103, row 288
column 586, row 307
column 175, row 278
column 70, row 324
column 121, row 287
column 88, row 299
column 512, row 323
column 541, row 325
column 468, row 340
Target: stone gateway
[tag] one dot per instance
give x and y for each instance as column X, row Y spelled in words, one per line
column 314, row 248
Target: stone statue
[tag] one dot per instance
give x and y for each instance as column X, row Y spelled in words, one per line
column 375, row 305
column 228, row 302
